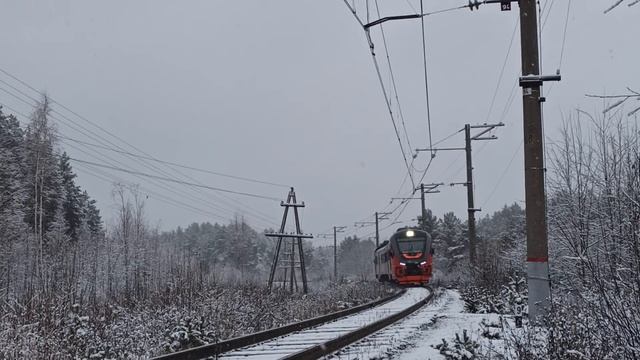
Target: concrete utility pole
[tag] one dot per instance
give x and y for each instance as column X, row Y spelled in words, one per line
column 537, row 242
column 336, row 230
column 379, row 217
column 471, row 210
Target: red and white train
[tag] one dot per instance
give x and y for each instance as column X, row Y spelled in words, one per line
column 406, row 258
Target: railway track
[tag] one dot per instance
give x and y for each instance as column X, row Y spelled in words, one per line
column 314, row 338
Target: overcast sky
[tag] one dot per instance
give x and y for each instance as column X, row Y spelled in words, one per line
column 285, row 91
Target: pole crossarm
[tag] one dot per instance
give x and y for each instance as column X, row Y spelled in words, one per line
column 459, row 183
column 492, row 137
column 282, row 203
column 439, row 149
column 391, row 18
column 529, row 81
column 289, row 235
column 429, row 188
column 486, row 128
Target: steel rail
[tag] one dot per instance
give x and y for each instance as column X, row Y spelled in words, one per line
column 326, row 348
column 255, row 338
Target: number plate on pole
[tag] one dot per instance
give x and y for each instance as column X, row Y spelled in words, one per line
column 505, row 6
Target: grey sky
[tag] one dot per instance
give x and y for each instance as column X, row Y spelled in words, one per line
column 286, row 91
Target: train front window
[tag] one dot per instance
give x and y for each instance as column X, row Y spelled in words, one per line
column 411, row 245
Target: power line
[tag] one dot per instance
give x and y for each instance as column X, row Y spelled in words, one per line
column 175, row 164
column 175, row 181
column 504, row 65
column 163, row 198
column 564, row 35
column 87, row 132
column 267, row 221
column 166, row 187
column 120, row 163
column 144, row 156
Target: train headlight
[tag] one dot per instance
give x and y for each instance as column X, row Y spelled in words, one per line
column 403, row 264
column 410, row 233
column 424, row 263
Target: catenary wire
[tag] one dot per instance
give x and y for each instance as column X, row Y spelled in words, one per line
column 388, row 103
column 504, row 173
column 564, row 34
column 393, row 79
column 504, row 65
column 426, row 76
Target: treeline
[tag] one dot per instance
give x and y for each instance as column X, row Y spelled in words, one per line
column 45, row 218
column 500, row 245
column 55, row 251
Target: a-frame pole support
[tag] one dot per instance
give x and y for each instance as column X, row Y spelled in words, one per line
column 296, row 240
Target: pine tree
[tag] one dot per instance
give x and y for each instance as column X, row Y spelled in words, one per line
column 91, row 215
column 11, row 175
column 451, row 242
column 12, row 196
column 430, row 223
column 72, row 202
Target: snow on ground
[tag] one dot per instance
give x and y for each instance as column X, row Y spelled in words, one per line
column 417, row 335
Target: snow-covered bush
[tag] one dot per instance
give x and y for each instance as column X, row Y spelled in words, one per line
column 145, row 329
column 483, row 300
column 460, row 348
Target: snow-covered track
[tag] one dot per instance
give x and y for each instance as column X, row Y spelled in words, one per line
column 397, row 309
column 232, row 347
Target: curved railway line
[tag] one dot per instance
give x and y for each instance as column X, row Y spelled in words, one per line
column 314, row 338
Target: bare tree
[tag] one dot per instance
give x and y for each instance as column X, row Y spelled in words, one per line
column 619, row 2
column 620, row 100
column 594, row 218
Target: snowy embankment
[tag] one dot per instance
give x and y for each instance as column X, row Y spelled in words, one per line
column 417, row 336
column 142, row 330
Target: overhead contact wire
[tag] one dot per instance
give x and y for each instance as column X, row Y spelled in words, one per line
column 393, row 80
column 426, row 76
column 388, row 103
